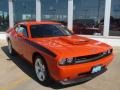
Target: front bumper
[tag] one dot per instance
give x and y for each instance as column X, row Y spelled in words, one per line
column 75, row 73
column 84, row 77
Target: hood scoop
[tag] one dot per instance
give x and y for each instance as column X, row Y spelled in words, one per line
column 75, row 40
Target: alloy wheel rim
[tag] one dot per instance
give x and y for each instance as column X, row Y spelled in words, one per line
column 40, row 70
column 9, row 47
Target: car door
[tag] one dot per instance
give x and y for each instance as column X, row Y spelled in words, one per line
column 24, row 47
column 15, row 39
column 22, row 29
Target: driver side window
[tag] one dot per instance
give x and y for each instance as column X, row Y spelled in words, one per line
column 22, row 29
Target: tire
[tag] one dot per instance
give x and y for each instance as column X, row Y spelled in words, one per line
column 10, row 48
column 41, row 71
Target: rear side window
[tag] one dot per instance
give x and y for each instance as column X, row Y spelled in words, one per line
column 22, row 29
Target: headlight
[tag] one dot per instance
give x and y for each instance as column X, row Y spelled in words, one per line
column 66, row 61
column 108, row 52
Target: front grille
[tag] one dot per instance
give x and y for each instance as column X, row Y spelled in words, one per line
column 90, row 58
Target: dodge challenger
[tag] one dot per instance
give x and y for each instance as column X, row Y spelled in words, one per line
column 56, row 53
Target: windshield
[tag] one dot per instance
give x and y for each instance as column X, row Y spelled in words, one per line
column 47, row 30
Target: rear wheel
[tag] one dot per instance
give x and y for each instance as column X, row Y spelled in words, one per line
column 41, row 70
column 10, row 49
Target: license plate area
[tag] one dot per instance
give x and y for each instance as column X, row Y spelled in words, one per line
column 96, row 69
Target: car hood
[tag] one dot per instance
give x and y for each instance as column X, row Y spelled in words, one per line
column 72, row 46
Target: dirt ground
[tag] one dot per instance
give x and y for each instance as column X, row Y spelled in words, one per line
column 16, row 74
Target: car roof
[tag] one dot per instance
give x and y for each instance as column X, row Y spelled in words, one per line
column 38, row 22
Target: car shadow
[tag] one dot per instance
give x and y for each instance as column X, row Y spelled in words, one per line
column 28, row 69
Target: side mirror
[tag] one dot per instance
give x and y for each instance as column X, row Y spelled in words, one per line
column 20, row 34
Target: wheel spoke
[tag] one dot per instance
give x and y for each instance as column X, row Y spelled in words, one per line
column 41, row 76
column 43, row 68
column 40, row 64
column 37, row 67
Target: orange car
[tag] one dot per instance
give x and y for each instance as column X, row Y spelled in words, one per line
column 58, row 54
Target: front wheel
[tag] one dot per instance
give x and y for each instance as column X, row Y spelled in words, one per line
column 41, row 70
